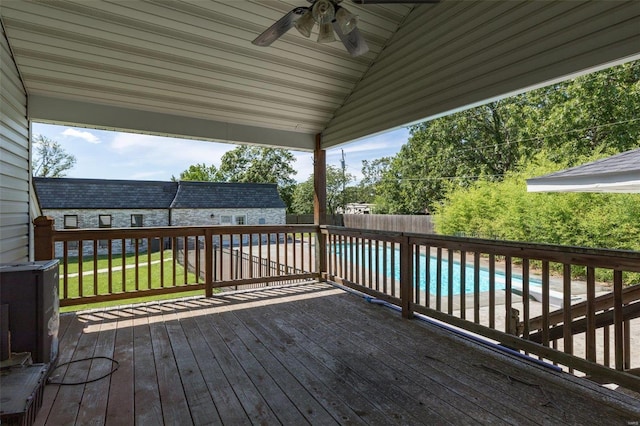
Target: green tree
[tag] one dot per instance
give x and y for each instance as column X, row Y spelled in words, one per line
column 261, row 165
column 303, row 193
column 596, row 113
column 372, row 173
column 200, row 172
column 50, row 159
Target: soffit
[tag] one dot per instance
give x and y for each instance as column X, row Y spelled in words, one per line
column 188, row 68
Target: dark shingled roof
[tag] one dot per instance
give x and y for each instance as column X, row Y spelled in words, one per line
column 64, row 193
column 227, row 195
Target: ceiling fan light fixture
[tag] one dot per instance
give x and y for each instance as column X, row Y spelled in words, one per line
column 326, row 34
column 323, row 11
column 347, row 20
column 305, row 24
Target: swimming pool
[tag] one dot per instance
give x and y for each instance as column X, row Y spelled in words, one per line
column 484, row 281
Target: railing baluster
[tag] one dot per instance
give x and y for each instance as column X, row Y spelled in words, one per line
column 137, row 263
column 439, row 279
column 591, row 314
column 606, row 345
column 161, row 262
column 476, row 287
column 357, row 263
column 618, row 321
column 80, row 269
column 384, row 267
column 545, row 303
column 525, row 297
column 450, row 281
column 124, row 266
column 95, row 267
column 149, row 283
column 198, row 253
column 492, row 291
column 463, row 284
column 416, row 277
column 65, row 262
column 393, row 269
column 174, row 251
column 370, row 263
column 110, row 266
column 427, row 276
column 566, row 308
column 510, row 325
column 185, row 259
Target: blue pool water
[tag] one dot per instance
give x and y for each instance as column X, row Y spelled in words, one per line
column 484, row 281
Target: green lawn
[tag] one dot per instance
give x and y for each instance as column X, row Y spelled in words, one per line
column 152, row 278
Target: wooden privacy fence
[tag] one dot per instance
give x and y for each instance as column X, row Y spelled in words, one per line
column 521, row 295
column 415, row 224
column 99, row 265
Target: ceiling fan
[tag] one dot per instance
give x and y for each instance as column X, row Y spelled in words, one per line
column 331, row 17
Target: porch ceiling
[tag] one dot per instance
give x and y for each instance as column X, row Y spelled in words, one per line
column 188, row 68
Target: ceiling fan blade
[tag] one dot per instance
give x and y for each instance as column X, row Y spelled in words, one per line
column 394, row 1
column 280, row 27
column 354, row 42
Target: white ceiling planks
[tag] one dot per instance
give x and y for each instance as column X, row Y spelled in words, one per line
column 157, row 65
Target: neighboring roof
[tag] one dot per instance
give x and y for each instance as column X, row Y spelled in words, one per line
column 227, row 195
column 619, row 173
column 66, row 193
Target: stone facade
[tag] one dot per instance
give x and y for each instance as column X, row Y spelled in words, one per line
column 201, row 217
column 120, row 218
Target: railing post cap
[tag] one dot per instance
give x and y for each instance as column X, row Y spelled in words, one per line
column 43, row 221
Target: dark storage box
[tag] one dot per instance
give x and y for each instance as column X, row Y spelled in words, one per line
column 21, row 394
column 31, row 291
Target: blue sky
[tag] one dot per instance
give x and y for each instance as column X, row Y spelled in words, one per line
column 102, row 154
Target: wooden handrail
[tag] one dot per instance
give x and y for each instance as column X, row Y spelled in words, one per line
column 603, row 319
column 601, row 303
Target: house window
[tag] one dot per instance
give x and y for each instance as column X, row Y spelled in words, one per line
column 262, row 221
column 225, row 220
column 241, row 220
column 70, row 221
column 136, row 220
column 104, row 221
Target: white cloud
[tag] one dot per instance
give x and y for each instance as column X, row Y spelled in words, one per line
column 158, row 175
column 87, row 136
column 164, row 150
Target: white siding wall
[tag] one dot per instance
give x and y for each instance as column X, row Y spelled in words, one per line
column 14, row 162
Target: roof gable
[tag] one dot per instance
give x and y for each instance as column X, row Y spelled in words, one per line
column 67, row 193
column 221, row 195
column 619, row 173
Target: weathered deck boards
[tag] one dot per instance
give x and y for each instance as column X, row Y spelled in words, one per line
column 303, row 354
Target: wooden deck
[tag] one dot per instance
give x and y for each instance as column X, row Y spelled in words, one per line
column 303, row 354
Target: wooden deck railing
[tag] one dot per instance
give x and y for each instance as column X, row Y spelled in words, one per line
column 517, row 294
column 520, row 295
column 99, row 265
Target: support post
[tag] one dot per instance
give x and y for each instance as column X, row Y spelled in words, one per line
column 44, row 246
column 320, row 205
